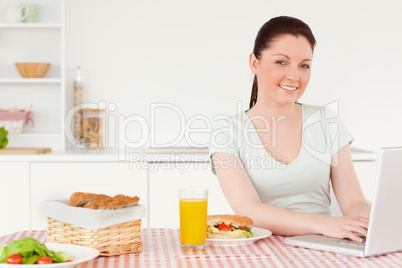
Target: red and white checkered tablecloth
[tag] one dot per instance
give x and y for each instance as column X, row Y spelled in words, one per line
column 162, row 249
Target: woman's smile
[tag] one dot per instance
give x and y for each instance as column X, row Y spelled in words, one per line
column 289, row 89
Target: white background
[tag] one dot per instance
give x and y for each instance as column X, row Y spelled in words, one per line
column 194, row 55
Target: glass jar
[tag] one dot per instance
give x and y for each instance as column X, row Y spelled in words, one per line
column 78, row 99
column 93, row 128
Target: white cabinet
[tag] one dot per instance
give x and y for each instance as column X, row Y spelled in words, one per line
column 57, row 181
column 40, row 41
column 164, row 181
column 14, row 197
column 366, row 172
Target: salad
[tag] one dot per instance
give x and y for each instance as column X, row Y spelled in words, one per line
column 30, row 251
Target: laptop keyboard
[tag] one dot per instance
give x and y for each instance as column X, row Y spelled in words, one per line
column 351, row 243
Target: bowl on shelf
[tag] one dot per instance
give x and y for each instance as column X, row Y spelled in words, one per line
column 32, row 69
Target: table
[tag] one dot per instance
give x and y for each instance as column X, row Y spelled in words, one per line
column 162, row 249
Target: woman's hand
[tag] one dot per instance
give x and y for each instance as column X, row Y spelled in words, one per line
column 344, row 227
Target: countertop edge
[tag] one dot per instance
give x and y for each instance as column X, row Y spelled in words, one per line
column 116, row 155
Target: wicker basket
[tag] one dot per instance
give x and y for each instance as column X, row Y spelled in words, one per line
column 14, row 121
column 117, row 239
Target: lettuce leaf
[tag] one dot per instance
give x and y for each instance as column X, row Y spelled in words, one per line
column 248, row 233
column 214, row 230
column 3, row 137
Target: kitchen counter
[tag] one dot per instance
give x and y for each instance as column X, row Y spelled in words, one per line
column 181, row 154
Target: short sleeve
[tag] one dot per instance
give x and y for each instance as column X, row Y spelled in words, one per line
column 222, row 138
column 338, row 135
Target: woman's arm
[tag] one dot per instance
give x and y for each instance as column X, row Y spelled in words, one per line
column 346, row 185
column 244, row 200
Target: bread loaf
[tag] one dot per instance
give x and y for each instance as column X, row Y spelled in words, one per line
column 102, row 201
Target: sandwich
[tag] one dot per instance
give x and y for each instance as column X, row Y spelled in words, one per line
column 229, row 226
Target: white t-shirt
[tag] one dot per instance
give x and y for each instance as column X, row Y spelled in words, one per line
column 304, row 184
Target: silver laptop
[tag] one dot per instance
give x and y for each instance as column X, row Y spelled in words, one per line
column 385, row 224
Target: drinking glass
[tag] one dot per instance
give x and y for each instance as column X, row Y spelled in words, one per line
column 193, row 218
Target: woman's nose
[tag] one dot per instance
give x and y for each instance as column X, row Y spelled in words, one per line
column 292, row 73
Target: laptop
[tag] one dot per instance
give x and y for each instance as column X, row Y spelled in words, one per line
column 385, row 224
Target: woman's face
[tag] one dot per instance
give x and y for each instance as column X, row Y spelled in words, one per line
column 283, row 71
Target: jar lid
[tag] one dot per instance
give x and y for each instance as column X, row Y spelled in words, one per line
column 79, row 73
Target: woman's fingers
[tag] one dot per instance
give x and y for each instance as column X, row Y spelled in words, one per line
column 358, row 231
column 356, row 221
column 354, row 237
column 347, row 227
column 357, row 226
column 363, row 219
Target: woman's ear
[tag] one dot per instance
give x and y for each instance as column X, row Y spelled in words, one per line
column 254, row 63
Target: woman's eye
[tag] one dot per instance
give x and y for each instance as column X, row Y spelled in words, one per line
column 280, row 62
column 305, row 66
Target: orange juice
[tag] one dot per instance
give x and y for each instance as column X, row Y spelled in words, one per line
column 193, row 221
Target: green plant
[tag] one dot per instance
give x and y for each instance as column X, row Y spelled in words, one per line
column 3, row 138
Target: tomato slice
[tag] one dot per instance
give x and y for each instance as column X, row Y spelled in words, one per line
column 68, row 261
column 44, row 260
column 225, row 227
column 14, row 259
column 244, row 228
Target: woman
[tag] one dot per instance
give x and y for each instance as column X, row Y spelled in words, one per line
column 275, row 161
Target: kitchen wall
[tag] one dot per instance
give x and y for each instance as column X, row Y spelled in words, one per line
column 193, row 55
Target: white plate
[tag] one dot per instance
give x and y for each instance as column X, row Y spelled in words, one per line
column 258, row 233
column 82, row 254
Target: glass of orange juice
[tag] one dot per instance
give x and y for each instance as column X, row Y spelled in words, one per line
column 193, row 218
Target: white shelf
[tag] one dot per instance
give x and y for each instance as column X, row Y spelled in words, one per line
column 30, row 80
column 34, row 42
column 34, row 135
column 30, row 25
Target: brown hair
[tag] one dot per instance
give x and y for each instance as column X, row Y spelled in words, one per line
column 271, row 30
